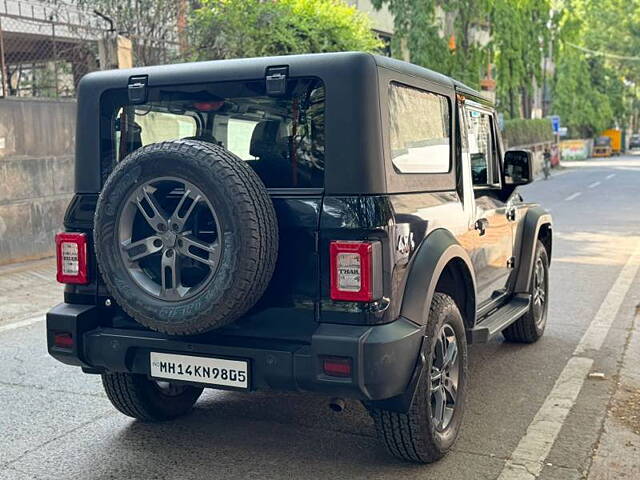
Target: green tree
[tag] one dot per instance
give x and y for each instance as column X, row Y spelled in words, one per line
column 422, row 34
column 253, row 28
column 596, row 75
column 520, row 38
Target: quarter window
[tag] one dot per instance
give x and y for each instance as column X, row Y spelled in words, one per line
column 420, row 130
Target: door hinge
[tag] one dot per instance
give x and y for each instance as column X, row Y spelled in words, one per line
column 511, row 263
column 137, row 89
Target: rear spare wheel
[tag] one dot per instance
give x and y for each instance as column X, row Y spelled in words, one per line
column 186, row 236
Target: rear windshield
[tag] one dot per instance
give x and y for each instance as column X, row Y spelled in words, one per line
column 281, row 138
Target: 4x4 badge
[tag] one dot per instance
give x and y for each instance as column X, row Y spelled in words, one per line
column 405, row 243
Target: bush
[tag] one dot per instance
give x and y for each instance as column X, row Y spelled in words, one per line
column 255, row 28
column 519, row 132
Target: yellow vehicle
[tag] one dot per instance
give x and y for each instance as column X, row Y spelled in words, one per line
column 615, row 134
column 602, row 147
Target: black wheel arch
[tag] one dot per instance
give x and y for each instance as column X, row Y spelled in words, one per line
column 439, row 264
column 536, row 225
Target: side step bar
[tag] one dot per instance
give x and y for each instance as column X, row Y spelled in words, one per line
column 500, row 319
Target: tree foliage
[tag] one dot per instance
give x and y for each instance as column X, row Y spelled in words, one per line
column 594, row 88
column 590, row 91
column 520, row 38
column 420, row 32
column 253, row 28
column 517, row 37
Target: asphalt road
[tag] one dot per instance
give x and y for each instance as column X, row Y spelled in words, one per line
column 56, row 422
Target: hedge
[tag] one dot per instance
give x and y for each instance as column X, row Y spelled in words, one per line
column 520, row 132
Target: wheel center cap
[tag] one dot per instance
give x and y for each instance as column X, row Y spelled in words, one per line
column 169, row 239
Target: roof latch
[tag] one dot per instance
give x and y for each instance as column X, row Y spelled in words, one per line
column 276, row 80
column 137, row 89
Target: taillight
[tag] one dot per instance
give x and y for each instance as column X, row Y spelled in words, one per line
column 355, row 271
column 71, row 254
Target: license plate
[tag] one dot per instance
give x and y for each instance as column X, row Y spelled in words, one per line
column 213, row 371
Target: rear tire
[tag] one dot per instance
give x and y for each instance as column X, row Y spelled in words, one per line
column 139, row 397
column 530, row 327
column 418, row 435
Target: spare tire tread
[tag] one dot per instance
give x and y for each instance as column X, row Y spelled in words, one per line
column 259, row 244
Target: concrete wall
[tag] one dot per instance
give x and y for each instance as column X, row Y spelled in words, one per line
column 36, row 174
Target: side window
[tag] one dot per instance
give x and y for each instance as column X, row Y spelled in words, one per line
column 420, row 126
column 484, row 165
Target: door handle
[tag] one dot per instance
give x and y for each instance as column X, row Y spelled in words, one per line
column 481, row 225
column 511, row 214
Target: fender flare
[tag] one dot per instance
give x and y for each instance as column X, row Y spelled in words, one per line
column 432, row 256
column 534, row 220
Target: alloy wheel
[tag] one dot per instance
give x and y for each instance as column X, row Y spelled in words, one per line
column 169, row 238
column 539, row 297
column 445, row 376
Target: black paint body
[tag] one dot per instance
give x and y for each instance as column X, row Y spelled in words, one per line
column 426, row 223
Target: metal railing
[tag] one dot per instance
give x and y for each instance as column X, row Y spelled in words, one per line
column 46, row 47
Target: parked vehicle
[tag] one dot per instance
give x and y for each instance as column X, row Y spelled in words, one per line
column 602, row 147
column 615, row 134
column 340, row 223
column 634, row 142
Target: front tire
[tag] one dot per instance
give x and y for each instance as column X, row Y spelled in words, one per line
column 530, row 327
column 430, row 428
column 148, row 400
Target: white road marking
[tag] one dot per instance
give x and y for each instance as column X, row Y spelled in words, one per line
column 527, row 460
column 594, row 184
column 572, row 196
column 610, row 176
column 593, row 338
column 22, row 323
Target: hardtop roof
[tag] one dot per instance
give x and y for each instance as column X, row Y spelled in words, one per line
column 255, row 67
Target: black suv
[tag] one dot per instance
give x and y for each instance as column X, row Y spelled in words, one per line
column 340, row 223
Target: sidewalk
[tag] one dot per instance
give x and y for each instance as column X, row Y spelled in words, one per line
column 27, row 290
column 618, row 453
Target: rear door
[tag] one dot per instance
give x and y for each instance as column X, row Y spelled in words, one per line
column 492, row 250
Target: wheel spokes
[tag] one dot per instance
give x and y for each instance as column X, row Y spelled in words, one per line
column 198, row 250
column 154, row 215
column 451, row 353
column 451, row 390
column 171, row 281
column 444, row 377
column 439, row 401
column 142, row 248
column 177, row 219
column 179, row 242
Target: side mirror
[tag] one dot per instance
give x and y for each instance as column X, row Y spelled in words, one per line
column 518, row 167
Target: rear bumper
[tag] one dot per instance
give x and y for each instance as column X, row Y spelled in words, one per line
column 384, row 357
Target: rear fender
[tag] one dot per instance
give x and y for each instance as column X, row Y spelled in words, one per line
column 434, row 253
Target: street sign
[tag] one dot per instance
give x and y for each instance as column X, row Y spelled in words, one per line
column 555, row 124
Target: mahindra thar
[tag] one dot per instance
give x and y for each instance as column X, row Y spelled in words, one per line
column 338, row 223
